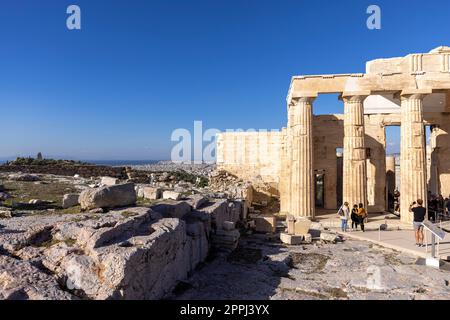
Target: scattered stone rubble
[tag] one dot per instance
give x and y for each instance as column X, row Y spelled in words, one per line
column 168, row 166
column 230, row 186
column 139, row 241
column 115, row 249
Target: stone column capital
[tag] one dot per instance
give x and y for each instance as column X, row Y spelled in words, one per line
column 356, row 96
column 414, row 94
column 304, row 99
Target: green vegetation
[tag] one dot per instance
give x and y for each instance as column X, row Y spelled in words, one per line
column 142, row 202
column 70, row 242
column 127, row 214
column 47, row 244
column 182, row 175
column 23, row 191
column 86, row 218
column 42, row 162
column 312, row 294
column 72, row 210
column 336, row 293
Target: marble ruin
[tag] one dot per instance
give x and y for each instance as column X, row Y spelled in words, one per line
column 303, row 161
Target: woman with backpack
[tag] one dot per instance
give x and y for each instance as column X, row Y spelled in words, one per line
column 344, row 214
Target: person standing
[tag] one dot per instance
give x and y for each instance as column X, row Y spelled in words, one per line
column 362, row 215
column 419, row 216
column 344, row 214
column 354, row 216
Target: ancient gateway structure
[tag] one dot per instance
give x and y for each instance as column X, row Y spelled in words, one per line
column 323, row 160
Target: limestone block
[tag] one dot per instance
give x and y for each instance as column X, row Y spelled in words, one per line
column 291, row 239
column 70, row 200
column 108, row 197
column 301, row 227
column 307, row 238
column 197, row 201
column 218, row 211
column 199, row 244
column 22, row 281
column 152, row 193
column 109, row 181
column 235, row 210
column 139, row 191
column 290, row 224
column 171, row 195
column 173, row 209
column 265, row 224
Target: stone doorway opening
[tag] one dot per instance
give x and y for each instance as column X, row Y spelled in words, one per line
column 393, row 148
column 319, row 190
column 432, row 160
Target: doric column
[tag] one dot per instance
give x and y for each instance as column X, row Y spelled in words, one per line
column 413, row 169
column 283, row 184
column 302, row 166
column 355, row 167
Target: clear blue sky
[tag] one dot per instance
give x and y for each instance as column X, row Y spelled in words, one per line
column 139, row 69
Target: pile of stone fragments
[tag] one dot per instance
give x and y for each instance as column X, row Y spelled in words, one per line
column 127, row 240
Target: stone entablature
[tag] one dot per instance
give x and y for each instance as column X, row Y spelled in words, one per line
column 428, row 72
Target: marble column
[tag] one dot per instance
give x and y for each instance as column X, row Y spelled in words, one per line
column 302, row 166
column 413, row 169
column 355, row 166
column 284, row 174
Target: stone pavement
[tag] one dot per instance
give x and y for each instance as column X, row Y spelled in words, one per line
column 398, row 236
column 352, row 270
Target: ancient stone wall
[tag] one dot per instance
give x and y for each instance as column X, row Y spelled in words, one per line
column 250, row 155
column 328, row 132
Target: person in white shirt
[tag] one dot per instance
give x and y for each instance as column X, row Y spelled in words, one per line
column 344, row 214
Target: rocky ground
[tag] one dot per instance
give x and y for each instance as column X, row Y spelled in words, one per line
column 259, row 269
column 175, row 237
column 102, row 238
